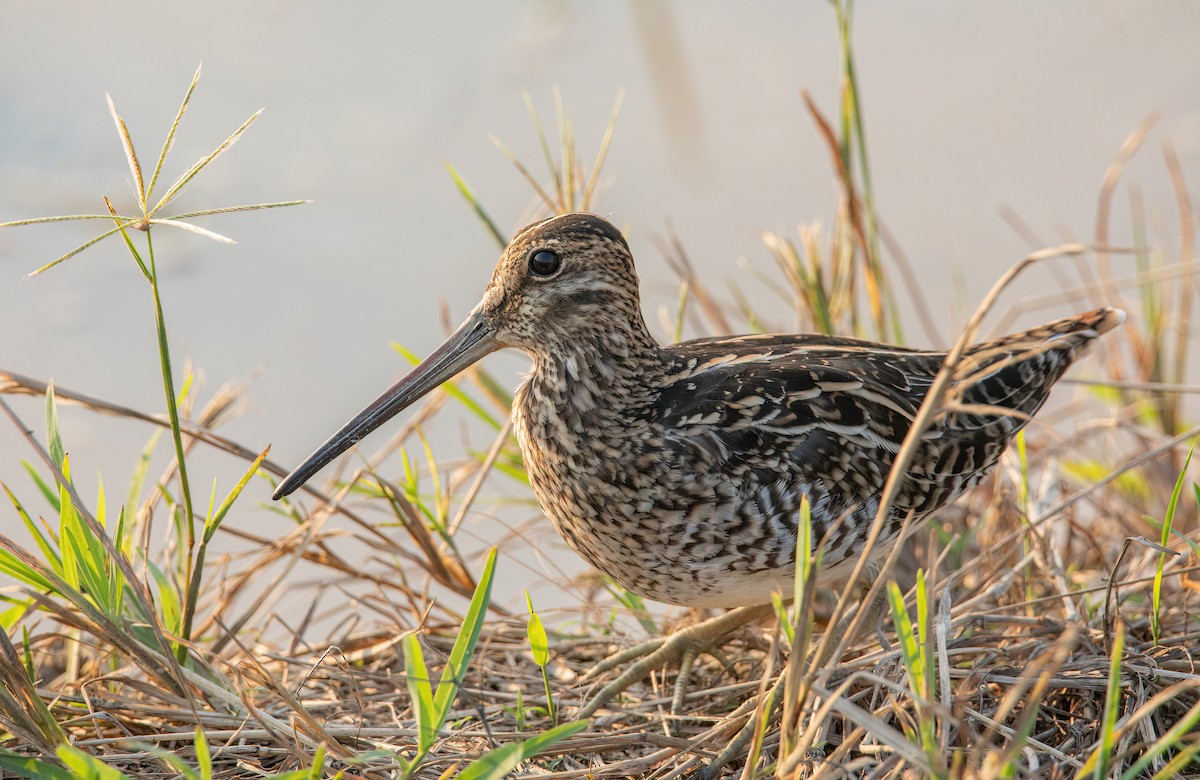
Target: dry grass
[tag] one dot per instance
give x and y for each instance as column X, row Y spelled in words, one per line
column 1023, row 606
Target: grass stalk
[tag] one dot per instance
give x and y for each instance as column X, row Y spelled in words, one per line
column 1165, row 539
column 168, row 383
column 1102, row 755
column 432, row 708
column 914, row 650
column 539, row 648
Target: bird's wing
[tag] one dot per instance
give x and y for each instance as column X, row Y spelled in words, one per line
column 838, row 409
column 777, row 418
column 732, row 399
column 758, row 422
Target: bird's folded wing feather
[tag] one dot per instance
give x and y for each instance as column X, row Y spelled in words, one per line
column 772, row 397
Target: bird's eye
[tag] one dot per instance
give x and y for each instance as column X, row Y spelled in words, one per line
column 544, row 262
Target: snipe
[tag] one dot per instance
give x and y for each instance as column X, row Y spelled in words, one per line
column 678, row 471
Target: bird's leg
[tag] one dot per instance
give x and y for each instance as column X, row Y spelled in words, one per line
column 684, row 645
column 685, row 670
column 623, row 656
column 873, row 611
column 653, row 654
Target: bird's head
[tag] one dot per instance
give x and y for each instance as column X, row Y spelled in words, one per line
column 560, row 281
column 565, row 282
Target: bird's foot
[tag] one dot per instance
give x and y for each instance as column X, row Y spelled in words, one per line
column 683, row 647
column 809, row 761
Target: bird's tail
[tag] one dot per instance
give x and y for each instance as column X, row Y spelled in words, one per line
column 1079, row 329
column 1014, row 374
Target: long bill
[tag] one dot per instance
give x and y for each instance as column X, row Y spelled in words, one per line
column 472, row 341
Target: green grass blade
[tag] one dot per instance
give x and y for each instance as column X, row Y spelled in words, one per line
column 539, row 648
column 634, row 603
column 464, row 645
column 177, row 761
column 500, row 762
column 85, row 767
column 214, row 521
column 496, row 391
column 916, row 665
column 317, row 770
column 85, row 559
column 53, row 435
column 804, row 550
column 211, row 524
column 121, row 534
column 907, row 636
column 1098, row 761
column 539, row 644
column 469, row 195
column 12, row 615
column 785, row 622
column 32, row 768
column 89, row 575
column 1164, row 539
column 1023, row 460
column 138, row 478
column 762, row 718
column 15, row 567
column 203, row 757
column 50, row 492
column 116, row 577
column 168, row 599
column 922, row 593
column 1182, row 760
column 1171, row 738
column 420, row 691
column 48, row 552
column 440, row 498
column 67, row 522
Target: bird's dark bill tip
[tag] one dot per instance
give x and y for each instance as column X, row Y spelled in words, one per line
column 295, row 480
column 473, row 339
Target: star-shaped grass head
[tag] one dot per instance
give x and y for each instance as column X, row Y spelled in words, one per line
column 149, row 209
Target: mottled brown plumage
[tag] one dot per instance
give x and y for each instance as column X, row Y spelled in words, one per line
column 678, row 471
